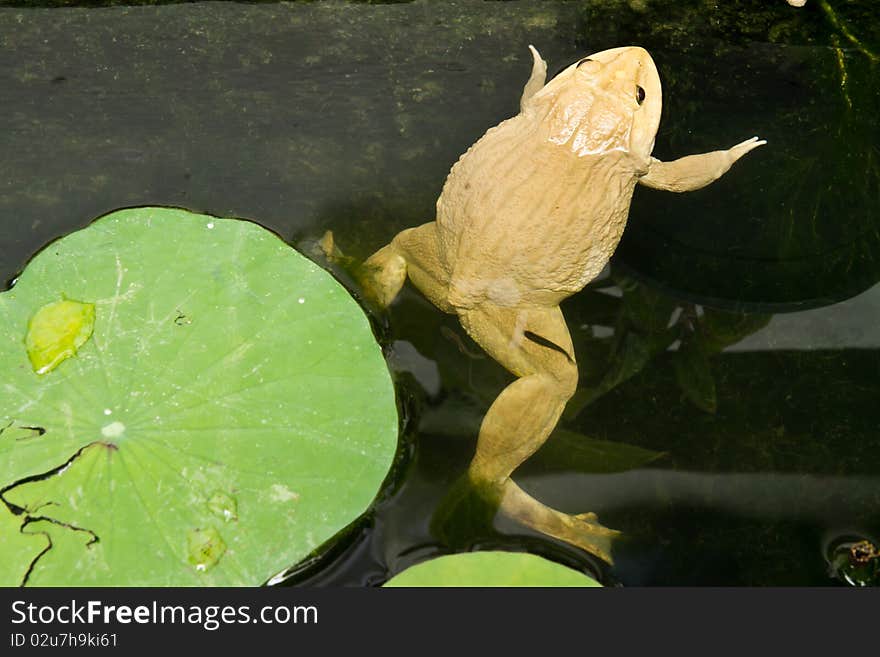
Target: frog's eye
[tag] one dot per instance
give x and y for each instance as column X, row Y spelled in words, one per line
column 640, row 95
column 583, row 61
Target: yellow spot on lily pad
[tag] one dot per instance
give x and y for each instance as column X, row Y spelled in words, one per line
column 57, row 331
column 204, row 548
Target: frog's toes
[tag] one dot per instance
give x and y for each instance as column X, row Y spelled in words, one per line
column 592, row 520
column 585, row 531
column 749, row 144
column 382, row 276
column 539, row 65
column 327, row 246
column 744, row 147
column 537, row 78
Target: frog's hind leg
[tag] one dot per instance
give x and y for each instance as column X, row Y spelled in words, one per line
column 414, row 252
column 535, row 346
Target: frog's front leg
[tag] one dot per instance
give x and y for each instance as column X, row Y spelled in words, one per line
column 695, row 171
column 533, row 344
column 414, row 252
column 536, row 79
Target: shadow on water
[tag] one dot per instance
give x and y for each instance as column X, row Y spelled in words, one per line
column 726, row 418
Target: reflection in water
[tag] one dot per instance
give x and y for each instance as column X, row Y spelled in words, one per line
column 764, row 496
column 637, row 323
column 799, row 227
column 850, row 324
column 404, row 357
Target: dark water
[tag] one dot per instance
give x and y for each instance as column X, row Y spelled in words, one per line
column 727, row 419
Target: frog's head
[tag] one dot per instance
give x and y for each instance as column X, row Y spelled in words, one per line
column 608, row 101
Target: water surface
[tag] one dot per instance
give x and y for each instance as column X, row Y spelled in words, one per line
column 734, row 340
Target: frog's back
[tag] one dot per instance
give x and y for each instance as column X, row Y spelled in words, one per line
column 525, row 221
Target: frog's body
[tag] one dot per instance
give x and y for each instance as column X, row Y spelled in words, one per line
column 497, row 240
column 528, row 216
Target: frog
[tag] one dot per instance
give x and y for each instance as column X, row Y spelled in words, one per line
column 528, row 216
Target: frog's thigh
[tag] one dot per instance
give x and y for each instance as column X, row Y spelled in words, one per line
column 525, row 341
column 533, row 344
column 420, row 248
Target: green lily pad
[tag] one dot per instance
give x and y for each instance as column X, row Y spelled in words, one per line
column 25, row 546
column 490, row 569
column 230, row 412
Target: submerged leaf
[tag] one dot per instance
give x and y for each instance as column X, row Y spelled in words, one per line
column 564, row 450
column 694, row 376
column 57, row 331
column 645, row 308
column 490, row 569
column 465, row 514
column 634, row 351
column 719, row 329
column 569, row 451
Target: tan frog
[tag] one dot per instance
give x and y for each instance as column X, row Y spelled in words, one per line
column 528, row 216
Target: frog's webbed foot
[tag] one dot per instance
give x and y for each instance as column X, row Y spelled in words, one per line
column 382, row 275
column 327, row 247
column 536, row 80
column 736, row 152
column 414, row 252
column 695, row 171
column 535, row 345
column 582, row 530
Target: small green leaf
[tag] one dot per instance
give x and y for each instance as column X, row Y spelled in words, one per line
column 490, row 569
column 57, row 331
column 694, row 376
column 647, row 310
